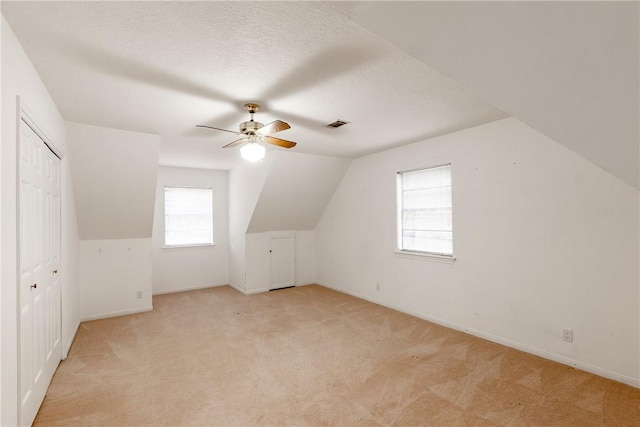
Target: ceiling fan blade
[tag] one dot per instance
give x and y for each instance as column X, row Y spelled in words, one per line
column 236, row 142
column 274, row 127
column 225, row 130
column 279, row 142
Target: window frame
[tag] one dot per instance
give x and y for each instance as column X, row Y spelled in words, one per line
column 164, row 219
column 412, row 253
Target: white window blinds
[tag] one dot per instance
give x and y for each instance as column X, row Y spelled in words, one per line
column 188, row 216
column 425, row 211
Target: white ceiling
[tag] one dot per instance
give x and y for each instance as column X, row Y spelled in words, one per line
column 570, row 70
column 163, row 67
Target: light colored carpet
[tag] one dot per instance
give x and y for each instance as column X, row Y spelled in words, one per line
column 310, row 356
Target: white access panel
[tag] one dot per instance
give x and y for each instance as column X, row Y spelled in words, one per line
column 281, row 259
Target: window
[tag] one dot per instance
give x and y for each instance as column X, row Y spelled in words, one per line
column 425, row 211
column 188, row 216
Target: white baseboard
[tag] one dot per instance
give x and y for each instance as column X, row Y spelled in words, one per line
column 65, row 350
column 190, row 288
column 116, row 313
column 625, row 379
column 261, row 290
column 237, row 288
column 257, row 291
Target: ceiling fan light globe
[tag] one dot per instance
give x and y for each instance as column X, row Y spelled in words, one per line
column 252, row 152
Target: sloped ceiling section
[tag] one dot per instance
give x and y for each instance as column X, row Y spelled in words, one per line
column 568, row 69
column 161, row 67
column 245, row 186
column 114, row 176
column 296, row 191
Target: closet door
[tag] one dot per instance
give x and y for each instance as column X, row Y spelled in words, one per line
column 39, row 294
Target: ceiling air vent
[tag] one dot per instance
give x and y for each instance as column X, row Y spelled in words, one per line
column 335, row 124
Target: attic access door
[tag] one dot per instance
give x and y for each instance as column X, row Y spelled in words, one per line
column 282, row 259
column 40, row 348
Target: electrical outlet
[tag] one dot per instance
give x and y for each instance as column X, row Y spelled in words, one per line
column 139, row 294
column 377, row 286
column 567, row 335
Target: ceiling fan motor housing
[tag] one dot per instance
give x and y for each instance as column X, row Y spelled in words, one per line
column 250, row 127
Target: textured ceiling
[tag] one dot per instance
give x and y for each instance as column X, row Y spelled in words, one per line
column 163, row 67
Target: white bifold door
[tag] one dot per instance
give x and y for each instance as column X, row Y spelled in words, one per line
column 40, row 348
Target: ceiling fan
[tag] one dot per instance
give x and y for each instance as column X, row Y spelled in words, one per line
column 255, row 132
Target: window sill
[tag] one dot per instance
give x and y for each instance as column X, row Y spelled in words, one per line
column 178, row 247
column 423, row 256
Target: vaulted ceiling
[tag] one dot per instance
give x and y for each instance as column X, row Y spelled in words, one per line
column 163, row 67
column 569, row 69
column 399, row 72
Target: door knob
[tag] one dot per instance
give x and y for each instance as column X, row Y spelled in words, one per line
column 55, row 271
column 34, row 286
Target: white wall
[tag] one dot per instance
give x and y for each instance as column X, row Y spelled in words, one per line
column 112, row 272
column 256, row 263
column 176, row 269
column 245, row 184
column 70, row 254
column 544, row 241
column 305, row 257
column 19, row 78
column 257, row 259
column 1, row 283
column 114, row 175
column 288, row 191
